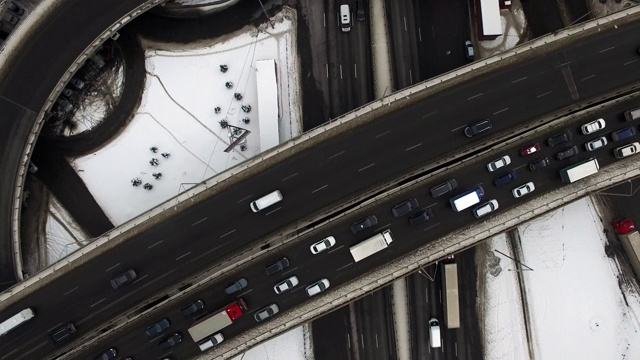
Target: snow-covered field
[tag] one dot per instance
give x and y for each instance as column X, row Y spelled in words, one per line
column 177, row 116
column 578, row 305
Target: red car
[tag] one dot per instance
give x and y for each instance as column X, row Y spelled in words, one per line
column 530, row 149
column 623, row 226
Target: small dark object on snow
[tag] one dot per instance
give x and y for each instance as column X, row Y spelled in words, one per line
column 246, row 108
column 243, row 147
column 157, row 175
column 224, row 68
column 153, row 149
column 238, row 96
column 223, row 123
column 154, row 162
column 148, row 186
column 217, row 109
column 165, row 155
column 228, row 84
column 246, row 120
column 136, row 182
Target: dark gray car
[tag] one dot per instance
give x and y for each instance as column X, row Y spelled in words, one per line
column 560, row 138
column 444, row 188
column 477, row 128
column 567, row 153
column 171, row 341
column 236, row 286
column 277, row 266
column 158, row 328
column 421, row 217
column 363, row 224
column 123, row 279
column 192, row 309
column 405, row 208
column 266, row 313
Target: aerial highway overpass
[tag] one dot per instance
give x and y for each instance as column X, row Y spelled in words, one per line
column 360, row 155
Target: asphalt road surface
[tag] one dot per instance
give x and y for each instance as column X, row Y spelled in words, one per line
column 193, row 240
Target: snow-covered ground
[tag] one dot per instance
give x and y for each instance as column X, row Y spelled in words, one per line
column 177, row 117
column 577, row 303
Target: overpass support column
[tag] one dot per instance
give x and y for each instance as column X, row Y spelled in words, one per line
column 401, row 318
column 382, row 76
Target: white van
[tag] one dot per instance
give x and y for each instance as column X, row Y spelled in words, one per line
column 266, row 201
column 434, row 333
column 345, row 18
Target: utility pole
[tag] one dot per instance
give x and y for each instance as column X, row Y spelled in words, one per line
column 265, row 14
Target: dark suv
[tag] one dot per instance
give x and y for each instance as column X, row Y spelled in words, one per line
column 405, row 208
column 171, row 341
column 192, row 309
column 421, row 217
column 443, row 188
column 63, row 333
column 505, row 179
column 539, row 164
column 560, row 138
column 477, row 128
column 236, row 286
column 277, row 266
column 567, row 153
column 363, row 224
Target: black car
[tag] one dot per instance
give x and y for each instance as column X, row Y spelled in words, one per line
column 236, row 286
column 443, row 188
column 405, row 208
column 477, row 128
column 421, row 217
column 567, row 153
column 363, row 224
column 171, row 341
column 277, row 266
column 157, row 328
column 505, row 179
column 63, row 333
column 539, row 164
column 123, row 279
column 360, row 10
column 560, row 138
column 108, row 355
column 193, row 308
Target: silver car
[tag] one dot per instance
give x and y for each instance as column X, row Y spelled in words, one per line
column 498, row 163
column 486, row 208
column 596, row 143
column 286, row 285
column 593, row 126
column 266, row 313
column 317, row 287
column 522, row 190
column 322, row 245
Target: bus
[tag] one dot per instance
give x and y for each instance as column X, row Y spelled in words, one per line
column 16, row 320
column 452, row 302
column 467, row 199
column 579, row 170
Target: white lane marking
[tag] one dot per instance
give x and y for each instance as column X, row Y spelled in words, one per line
column 383, row 134
column 630, row 62
column 499, row 111
column 198, row 222
column 518, row 80
column 429, row 114
column 607, row 49
column 289, row 177
column 245, row 293
column 140, row 279
column 340, row 268
column 335, row 249
column 318, row 189
column 272, row 211
column 70, row 291
column 241, row 200
column 113, row 267
column 150, row 246
column 475, row 96
column 338, row 154
column 229, row 233
column 563, row 64
column 413, row 147
column 290, row 270
column 366, row 167
column 588, row 77
column 545, row 94
column 181, row 256
column 431, row 227
column 103, row 299
column 458, row 128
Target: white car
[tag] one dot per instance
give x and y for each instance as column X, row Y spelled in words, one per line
column 593, row 126
column 486, row 208
column 317, row 287
column 498, row 163
column 596, row 143
column 286, row 285
column 627, row 150
column 523, row 190
column 211, row 342
column 322, row 245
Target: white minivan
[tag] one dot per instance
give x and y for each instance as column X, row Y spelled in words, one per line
column 266, row 201
column 434, row 333
column 345, row 18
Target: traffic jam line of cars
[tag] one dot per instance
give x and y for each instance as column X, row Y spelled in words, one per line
column 410, row 207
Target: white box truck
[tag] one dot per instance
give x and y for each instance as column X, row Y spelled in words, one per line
column 371, row 246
